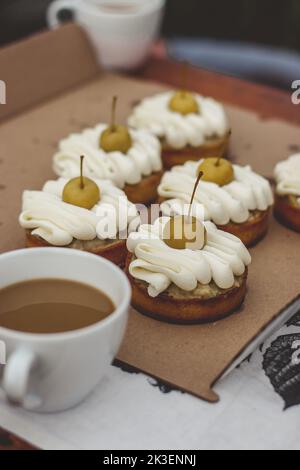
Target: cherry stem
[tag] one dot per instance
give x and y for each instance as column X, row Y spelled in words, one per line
column 81, row 172
column 194, row 192
column 224, row 147
column 218, row 161
column 113, row 113
column 184, row 76
column 226, row 143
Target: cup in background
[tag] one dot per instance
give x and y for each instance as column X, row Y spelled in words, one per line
column 53, row 372
column 122, row 31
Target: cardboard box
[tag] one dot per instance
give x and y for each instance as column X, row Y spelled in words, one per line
column 54, row 87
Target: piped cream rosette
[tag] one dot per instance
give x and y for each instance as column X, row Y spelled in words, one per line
column 222, row 258
column 58, row 223
column 143, row 158
column 155, row 115
column 233, row 202
column 287, row 175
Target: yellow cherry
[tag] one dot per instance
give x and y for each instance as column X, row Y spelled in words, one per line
column 81, row 191
column 184, row 102
column 115, row 138
column 217, row 170
column 185, row 232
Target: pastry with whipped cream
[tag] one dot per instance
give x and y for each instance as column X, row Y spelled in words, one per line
column 101, row 230
column 130, row 158
column 237, row 200
column 287, row 200
column 188, row 285
column 188, row 125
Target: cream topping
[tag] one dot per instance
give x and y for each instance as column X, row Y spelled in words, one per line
column 233, row 202
column 142, row 159
column 287, row 175
column 223, row 257
column 179, row 131
column 59, row 223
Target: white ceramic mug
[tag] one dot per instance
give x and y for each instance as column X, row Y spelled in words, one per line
column 53, row 372
column 122, row 38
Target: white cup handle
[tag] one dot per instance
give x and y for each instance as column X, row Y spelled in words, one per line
column 55, row 8
column 16, row 375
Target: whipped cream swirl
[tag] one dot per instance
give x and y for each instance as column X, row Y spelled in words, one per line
column 59, row 223
column 287, row 175
column 180, row 131
column 223, row 257
column 232, row 202
column 142, row 159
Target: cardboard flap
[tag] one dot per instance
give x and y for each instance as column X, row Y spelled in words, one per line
column 43, row 66
column 190, row 358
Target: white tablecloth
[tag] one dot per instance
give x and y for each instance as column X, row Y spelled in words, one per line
column 133, row 411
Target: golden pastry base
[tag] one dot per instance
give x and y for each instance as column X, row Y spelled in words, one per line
column 253, row 230
column 185, row 310
column 144, row 192
column 212, row 148
column 286, row 213
column 112, row 250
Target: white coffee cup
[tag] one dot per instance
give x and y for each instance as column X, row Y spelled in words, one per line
column 122, row 36
column 54, row 372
